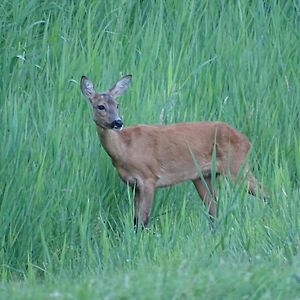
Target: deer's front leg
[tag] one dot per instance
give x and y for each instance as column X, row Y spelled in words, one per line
column 143, row 202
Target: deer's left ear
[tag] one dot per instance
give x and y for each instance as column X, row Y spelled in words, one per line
column 87, row 87
column 120, row 86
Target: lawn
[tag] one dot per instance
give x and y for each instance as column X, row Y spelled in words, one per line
column 65, row 216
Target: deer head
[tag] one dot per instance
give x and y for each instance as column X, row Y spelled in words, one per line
column 105, row 107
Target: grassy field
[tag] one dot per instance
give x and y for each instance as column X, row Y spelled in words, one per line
column 65, row 217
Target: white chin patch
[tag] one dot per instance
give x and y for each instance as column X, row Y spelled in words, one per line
column 118, row 129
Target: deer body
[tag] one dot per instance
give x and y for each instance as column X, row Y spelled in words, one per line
column 162, row 153
column 152, row 156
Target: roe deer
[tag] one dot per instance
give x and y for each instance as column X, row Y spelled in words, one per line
column 151, row 156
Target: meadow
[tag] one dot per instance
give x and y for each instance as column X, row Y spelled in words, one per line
column 65, row 216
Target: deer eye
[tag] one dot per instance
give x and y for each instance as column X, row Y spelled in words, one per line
column 101, row 107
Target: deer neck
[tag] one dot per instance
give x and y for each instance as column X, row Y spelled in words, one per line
column 112, row 142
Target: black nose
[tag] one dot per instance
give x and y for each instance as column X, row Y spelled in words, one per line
column 117, row 124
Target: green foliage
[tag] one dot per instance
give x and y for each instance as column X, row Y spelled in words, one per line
column 64, row 214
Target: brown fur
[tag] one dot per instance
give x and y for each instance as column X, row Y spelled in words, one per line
column 152, row 156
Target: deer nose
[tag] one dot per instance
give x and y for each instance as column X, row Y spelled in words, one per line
column 117, row 124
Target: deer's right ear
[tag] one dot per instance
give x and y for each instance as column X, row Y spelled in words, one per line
column 87, row 87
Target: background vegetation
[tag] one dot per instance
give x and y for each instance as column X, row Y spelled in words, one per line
column 65, row 217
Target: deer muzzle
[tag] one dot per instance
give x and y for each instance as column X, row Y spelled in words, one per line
column 116, row 124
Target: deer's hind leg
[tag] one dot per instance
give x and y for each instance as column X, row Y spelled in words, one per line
column 253, row 186
column 206, row 193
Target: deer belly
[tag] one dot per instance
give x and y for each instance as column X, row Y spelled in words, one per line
column 170, row 178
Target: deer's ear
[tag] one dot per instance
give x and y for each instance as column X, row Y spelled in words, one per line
column 120, row 86
column 87, row 87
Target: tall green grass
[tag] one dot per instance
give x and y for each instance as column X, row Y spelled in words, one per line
column 64, row 214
